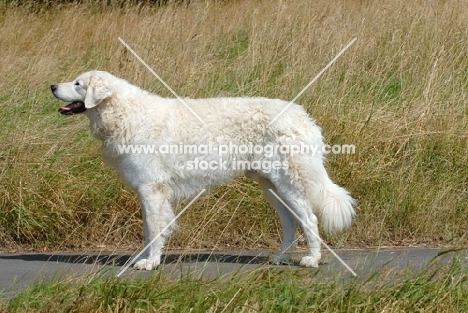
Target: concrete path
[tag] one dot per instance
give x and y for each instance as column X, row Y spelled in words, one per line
column 20, row 270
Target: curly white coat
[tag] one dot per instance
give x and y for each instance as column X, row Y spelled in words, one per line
column 123, row 114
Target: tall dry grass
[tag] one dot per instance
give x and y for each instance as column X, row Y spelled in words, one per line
column 399, row 95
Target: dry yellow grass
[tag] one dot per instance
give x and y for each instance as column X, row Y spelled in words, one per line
column 399, row 95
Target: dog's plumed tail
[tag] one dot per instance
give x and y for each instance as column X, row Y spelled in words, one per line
column 335, row 209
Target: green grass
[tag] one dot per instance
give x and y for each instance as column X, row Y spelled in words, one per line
column 434, row 289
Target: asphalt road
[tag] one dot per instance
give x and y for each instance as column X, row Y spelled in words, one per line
column 20, row 270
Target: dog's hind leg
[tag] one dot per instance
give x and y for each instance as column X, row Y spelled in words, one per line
column 298, row 203
column 288, row 222
column 157, row 213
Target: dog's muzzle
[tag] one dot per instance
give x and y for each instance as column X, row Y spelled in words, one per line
column 75, row 107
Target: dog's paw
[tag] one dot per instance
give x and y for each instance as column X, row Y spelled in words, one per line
column 310, row 261
column 147, row 264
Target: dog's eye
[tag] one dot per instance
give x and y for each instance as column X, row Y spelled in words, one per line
column 77, row 83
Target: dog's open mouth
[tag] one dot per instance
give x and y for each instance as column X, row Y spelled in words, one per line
column 75, row 107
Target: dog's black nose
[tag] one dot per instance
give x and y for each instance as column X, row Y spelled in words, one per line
column 53, row 87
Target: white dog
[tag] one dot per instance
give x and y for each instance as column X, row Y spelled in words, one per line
column 237, row 132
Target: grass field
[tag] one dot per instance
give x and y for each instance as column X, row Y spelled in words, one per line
column 399, row 95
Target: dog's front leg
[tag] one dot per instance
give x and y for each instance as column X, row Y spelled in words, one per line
column 157, row 214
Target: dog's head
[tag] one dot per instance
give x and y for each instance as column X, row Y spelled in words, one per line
column 85, row 92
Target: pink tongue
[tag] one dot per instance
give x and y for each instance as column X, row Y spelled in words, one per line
column 64, row 109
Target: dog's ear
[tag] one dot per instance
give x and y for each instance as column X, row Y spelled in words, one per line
column 96, row 92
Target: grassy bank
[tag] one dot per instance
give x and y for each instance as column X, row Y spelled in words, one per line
column 266, row 290
column 399, row 95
